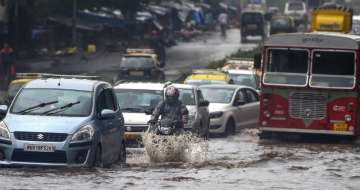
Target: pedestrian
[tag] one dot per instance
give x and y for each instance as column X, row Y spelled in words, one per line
column 8, row 62
column 223, row 21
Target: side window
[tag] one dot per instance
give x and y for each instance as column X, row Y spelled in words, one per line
column 100, row 101
column 251, row 96
column 109, row 99
column 240, row 95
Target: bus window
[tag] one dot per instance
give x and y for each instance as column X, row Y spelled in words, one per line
column 287, row 67
column 333, row 69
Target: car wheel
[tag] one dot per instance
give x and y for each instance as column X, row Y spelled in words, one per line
column 98, row 158
column 230, row 128
column 122, row 155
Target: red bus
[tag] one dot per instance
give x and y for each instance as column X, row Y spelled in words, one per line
column 310, row 84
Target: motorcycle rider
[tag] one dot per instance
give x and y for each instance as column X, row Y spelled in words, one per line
column 171, row 109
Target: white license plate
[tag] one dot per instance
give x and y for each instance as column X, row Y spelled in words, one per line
column 137, row 73
column 39, row 148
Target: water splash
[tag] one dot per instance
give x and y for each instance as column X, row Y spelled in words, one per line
column 181, row 148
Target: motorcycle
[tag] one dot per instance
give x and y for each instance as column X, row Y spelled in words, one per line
column 166, row 127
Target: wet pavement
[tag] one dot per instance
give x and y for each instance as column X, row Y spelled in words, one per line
column 238, row 162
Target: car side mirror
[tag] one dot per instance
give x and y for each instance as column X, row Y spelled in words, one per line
column 204, row 103
column 149, row 111
column 257, row 61
column 3, row 109
column 239, row 102
column 107, row 114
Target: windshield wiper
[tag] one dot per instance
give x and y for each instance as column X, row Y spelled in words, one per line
column 133, row 109
column 36, row 107
column 60, row 109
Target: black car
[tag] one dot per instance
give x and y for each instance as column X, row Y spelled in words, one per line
column 139, row 68
column 282, row 24
column 253, row 23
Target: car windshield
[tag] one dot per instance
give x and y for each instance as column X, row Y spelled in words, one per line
column 13, row 89
column 187, row 96
column 296, row 6
column 136, row 62
column 244, row 79
column 28, row 98
column 137, row 101
column 280, row 22
column 333, row 69
column 218, row 95
column 287, row 67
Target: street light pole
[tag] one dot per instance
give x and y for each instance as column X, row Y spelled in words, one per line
column 74, row 23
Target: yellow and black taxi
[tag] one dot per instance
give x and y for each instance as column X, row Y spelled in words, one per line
column 140, row 65
column 207, row 76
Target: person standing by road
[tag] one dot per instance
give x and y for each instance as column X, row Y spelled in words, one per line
column 223, row 21
column 8, row 62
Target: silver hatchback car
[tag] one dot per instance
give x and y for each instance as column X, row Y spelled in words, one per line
column 62, row 122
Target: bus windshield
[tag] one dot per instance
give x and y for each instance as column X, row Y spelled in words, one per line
column 287, row 67
column 333, row 69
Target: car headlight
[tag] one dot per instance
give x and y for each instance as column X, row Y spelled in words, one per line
column 86, row 133
column 4, row 132
column 216, row 114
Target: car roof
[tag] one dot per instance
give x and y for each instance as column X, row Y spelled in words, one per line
column 356, row 17
column 183, row 86
column 224, row 86
column 62, row 83
column 20, row 81
column 140, row 85
column 240, row 71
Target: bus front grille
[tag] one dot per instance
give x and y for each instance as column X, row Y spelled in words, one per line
column 311, row 106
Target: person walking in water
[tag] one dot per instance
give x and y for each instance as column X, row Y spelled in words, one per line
column 223, row 21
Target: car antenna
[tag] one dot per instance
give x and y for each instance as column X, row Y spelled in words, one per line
column 59, row 83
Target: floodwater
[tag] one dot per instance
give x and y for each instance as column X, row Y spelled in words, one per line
column 238, row 162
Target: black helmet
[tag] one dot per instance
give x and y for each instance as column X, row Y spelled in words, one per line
column 172, row 93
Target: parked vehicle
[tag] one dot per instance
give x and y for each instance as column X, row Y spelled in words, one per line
column 139, row 65
column 232, row 108
column 310, row 84
column 134, row 99
column 332, row 18
column 207, row 76
column 245, row 78
column 356, row 25
column 199, row 119
column 62, row 122
column 297, row 10
column 282, row 24
column 252, row 23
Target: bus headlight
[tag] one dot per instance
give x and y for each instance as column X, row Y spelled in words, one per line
column 348, row 118
column 267, row 114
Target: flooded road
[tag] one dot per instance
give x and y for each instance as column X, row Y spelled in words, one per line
column 238, row 162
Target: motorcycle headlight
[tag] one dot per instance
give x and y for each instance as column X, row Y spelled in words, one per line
column 86, row 133
column 4, row 132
